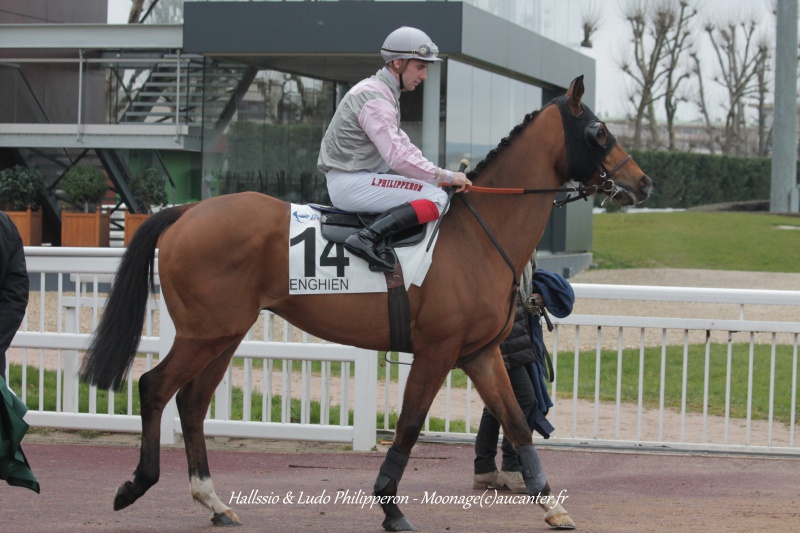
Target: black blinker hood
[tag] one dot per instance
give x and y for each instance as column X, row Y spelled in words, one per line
column 582, row 158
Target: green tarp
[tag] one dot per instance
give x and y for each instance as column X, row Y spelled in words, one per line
column 14, row 466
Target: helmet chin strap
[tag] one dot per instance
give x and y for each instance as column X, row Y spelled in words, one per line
column 400, row 71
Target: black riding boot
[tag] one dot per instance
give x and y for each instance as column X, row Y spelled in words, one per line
column 364, row 243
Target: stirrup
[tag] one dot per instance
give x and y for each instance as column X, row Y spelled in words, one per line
column 388, row 257
column 375, row 260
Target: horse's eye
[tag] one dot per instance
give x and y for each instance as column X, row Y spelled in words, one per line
column 596, row 134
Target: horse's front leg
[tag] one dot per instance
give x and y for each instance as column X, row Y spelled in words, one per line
column 489, row 375
column 424, row 381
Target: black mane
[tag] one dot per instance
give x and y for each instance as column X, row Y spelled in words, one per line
column 505, row 141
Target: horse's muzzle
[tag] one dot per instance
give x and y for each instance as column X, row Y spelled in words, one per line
column 625, row 195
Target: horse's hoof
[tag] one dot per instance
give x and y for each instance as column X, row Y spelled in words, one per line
column 228, row 518
column 560, row 521
column 124, row 496
column 400, row 523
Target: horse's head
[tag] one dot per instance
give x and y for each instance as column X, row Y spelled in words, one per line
column 593, row 156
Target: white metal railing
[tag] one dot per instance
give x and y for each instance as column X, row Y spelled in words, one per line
column 707, row 347
column 64, row 311
column 742, row 398
column 724, row 380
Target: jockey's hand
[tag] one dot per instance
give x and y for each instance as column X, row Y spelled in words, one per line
column 460, row 181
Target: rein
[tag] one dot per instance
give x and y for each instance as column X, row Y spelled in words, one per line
column 582, row 191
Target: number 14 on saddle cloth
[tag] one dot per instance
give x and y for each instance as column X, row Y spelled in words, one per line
column 317, row 266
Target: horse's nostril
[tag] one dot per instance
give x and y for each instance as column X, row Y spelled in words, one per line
column 645, row 182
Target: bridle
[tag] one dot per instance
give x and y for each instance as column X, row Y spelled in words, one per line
column 582, row 191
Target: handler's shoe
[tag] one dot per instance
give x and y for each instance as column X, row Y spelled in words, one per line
column 484, row 481
column 512, row 481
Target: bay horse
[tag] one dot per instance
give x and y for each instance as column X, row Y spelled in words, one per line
column 216, row 278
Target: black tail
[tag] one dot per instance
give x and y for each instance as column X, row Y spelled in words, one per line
column 113, row 347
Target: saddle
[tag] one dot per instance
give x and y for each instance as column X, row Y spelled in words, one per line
column 337, row 225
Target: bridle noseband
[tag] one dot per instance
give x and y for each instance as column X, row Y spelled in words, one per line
column 607, row 186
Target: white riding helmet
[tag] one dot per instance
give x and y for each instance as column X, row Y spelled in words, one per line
column 409, row 43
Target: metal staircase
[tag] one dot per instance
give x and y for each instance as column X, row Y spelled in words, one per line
column 187, row 88
column 148, row 89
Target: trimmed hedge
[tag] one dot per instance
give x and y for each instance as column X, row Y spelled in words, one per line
column 682, row 180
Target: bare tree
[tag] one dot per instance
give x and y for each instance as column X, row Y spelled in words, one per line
column 591, row 16
column 679, row 40
column 739, row 55
column 649, row 24
column 700, row 101
column 762, row 68
column 166, row 11
column 136, row 11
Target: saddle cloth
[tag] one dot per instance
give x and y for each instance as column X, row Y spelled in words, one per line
column 317, row 266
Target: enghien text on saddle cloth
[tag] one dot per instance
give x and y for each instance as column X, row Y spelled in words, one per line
column 317, row 266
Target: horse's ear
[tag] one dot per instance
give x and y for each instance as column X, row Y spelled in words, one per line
column 574, row 95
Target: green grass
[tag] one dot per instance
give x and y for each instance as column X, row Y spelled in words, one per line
column 335, row 366
column 237, row 402
column 695, row 378
column 49, row 397
column 719, row 241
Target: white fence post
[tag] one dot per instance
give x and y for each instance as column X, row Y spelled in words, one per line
column 70, row 402
column 365, row 403
column 166, row 337
column 222, row 397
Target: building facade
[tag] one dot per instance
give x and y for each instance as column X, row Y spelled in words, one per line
column 232, row 96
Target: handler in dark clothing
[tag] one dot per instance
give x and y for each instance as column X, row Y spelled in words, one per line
column 524, row 356
column 14, row 467
column 13, row 285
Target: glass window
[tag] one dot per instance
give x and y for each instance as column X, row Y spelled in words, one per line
column 272, row 142
column 482, row 108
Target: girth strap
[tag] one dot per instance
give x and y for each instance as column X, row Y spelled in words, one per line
column 399, row 311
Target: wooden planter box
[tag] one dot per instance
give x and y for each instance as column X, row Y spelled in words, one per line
column 29, row 225
column 132, row 223
column 85, row 229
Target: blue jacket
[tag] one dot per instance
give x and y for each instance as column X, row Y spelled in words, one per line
column 558, row 299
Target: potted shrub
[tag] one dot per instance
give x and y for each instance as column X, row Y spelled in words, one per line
column 85, row 186
column 149, row 189
column 20, row 191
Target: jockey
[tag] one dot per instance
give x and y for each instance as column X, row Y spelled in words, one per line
column 364, row 142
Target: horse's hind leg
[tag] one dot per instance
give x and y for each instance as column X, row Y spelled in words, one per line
column 490, row 377
column 193, row 400
column 421, row 387
column 185, row 360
